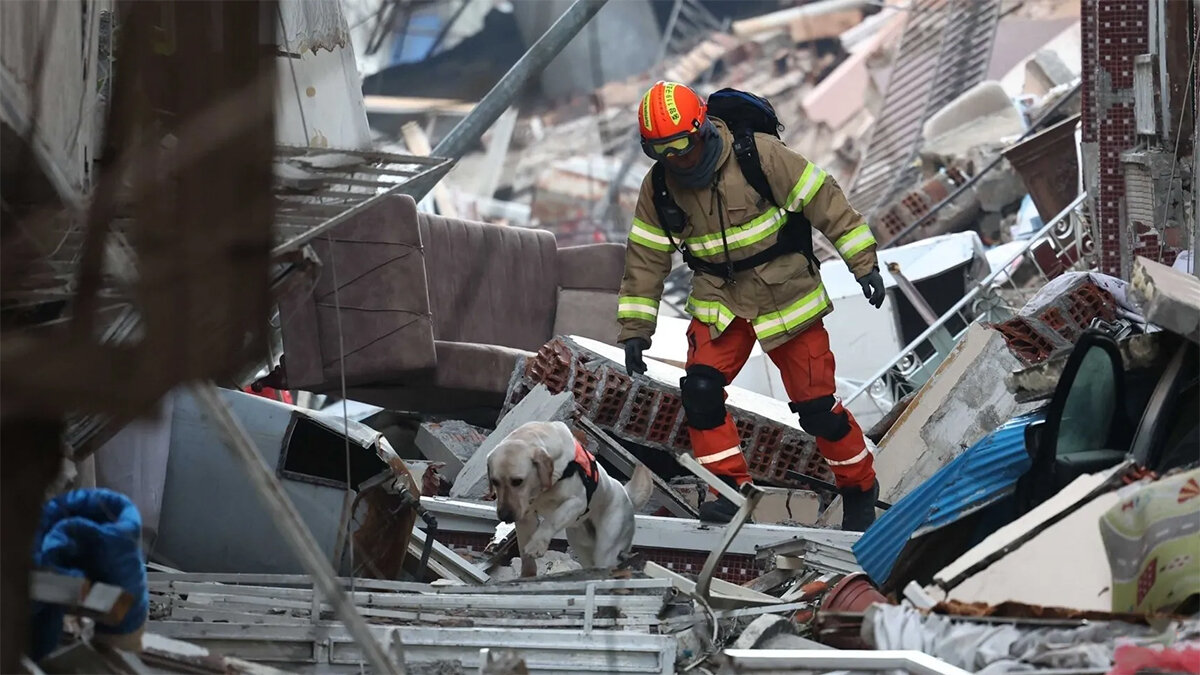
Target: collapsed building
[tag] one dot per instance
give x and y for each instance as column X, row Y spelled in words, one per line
column 325, row 508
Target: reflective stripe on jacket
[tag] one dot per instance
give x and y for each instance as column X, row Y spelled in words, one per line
column 781, row 297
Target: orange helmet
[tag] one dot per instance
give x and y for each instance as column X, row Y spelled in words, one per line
column 670, row 116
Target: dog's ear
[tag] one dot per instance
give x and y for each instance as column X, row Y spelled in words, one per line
column 545, row 467
column 491, row 488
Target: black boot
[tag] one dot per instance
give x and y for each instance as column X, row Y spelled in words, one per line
column 719, row 510
column 858, row 508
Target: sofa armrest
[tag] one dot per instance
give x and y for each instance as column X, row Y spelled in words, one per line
column 591, row 267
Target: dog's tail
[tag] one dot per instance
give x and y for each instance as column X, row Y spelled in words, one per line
column 640, row 486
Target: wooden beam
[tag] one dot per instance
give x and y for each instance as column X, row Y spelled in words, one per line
column 418, row 144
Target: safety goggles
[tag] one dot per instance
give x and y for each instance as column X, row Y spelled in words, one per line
column 680, row 144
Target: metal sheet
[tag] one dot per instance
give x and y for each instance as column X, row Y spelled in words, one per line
column 981, row 475
column 209, row 507
column 823, row 660
column 544, row 651
column 652, row 531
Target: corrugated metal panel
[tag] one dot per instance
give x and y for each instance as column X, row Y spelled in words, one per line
column 946, row 49
column 983, row 474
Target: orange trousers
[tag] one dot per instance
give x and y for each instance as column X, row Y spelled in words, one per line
column 806, row 365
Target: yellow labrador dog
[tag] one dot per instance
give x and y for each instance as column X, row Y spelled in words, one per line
column 544, row 481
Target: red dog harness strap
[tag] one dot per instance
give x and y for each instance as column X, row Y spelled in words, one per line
column 584, row 464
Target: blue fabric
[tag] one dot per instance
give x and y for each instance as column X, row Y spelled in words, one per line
column 95, row 534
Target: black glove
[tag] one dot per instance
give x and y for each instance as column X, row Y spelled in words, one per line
column 872, row 285
column 634, row 365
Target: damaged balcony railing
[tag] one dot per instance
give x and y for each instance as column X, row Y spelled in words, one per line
column 1060, row 245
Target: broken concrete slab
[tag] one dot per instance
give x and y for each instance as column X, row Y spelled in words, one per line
column 1080, row 581
column 960, row 403
column 963, row 400
column 762, row 629
column 809, row 28
column 1045, row 71
column 984, row 113
column 452, row 443
column 999, row 188
column 790, row 641
column 539, row 405
column 1169, row 298
column 1010, row 537
column 781, row 506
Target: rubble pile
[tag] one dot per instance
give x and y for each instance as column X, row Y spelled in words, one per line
column 1051, row 322
column 1038, row 466
column 563, row 160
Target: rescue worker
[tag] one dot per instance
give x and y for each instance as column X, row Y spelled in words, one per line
column 780, row 302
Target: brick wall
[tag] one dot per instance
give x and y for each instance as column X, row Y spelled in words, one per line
column 1087, row 23
column 1114, row 32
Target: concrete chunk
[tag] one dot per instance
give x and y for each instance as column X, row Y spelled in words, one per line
column 1045, row 71
column 1170, row 298
column 452, row 443
column 539, row 405
column 964, row 400
column 762, row 629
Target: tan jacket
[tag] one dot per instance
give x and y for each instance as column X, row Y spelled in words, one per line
column 780, row 297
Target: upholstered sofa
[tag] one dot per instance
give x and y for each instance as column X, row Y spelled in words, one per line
column 436, row 311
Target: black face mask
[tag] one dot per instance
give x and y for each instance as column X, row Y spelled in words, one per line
column 701, row 174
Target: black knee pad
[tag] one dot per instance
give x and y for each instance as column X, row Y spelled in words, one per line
column 703, row 390
column 817, row 418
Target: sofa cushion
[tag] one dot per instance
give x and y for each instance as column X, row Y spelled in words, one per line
column 591, row 314
column 593, row 267
column 476, row 367
column 490, row 284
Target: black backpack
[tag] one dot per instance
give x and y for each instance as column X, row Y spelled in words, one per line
column 744, row 114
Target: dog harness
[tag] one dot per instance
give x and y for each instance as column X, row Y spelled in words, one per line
column 584, row 465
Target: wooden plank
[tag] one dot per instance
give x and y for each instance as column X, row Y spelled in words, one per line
column 410, row 105
column 418, row 143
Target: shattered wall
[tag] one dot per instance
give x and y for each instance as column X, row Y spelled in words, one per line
column 1114, row 34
